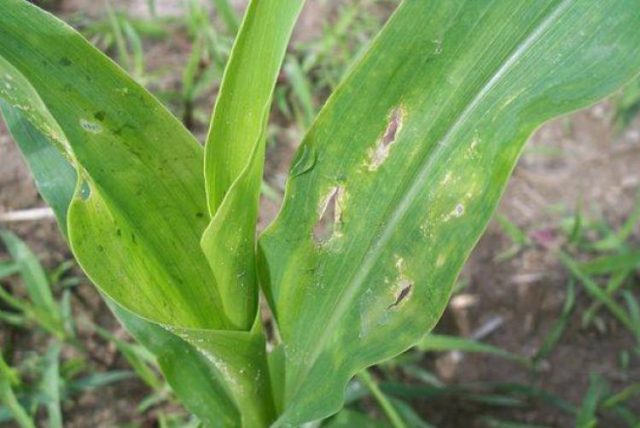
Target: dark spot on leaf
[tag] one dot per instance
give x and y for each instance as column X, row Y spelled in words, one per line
column 133, row 238
column 100, row 248
column 64, row 61
column 404, row 293
column 118, row 232
column 100, row 115
column 199, row 215
column 392, row 129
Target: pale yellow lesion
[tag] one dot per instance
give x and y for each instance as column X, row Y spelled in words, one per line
column 378, row 155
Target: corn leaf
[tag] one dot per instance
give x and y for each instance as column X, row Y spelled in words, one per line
column 404, row 166
column 138, row 212
column 234, row 155
column 42, row 156
column 140, row 198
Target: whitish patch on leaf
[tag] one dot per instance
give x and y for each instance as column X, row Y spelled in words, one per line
column 380, row 153
column 89, row 126
column 329, row 215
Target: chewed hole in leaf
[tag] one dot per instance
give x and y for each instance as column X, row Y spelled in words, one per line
column 91, row 127
column 379, row 154
column 330, row 215
column 405, row 287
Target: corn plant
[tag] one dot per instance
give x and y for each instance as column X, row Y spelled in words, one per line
column 389, row 191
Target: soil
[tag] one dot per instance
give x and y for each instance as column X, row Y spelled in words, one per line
column 573, row 161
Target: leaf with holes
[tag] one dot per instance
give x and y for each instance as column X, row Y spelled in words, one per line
column 139, row 209
column 410, row 157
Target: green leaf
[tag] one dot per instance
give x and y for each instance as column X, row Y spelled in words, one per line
column 587, row 417
column 438, row 342
column 412, row 154
column 194, row 379
column 559, row 325
column 44, row 307
column 599, row 294
column 234, row 156
column 140, row 198
column 228, row 15
column 385, row 404
column 8, row 268
column 43, row 156
column 350, row 418
column 51, row 386
column 98, row 380
column 139, row 362
column 138, row 212
column 8, row 378
column 624, row 261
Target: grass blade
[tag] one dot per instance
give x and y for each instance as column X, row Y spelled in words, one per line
column 440, row 343
column 587, row 415
column 228, row 15
column 8, row 397
column 626, row 260
column 597, row 293
column 51, row 386
column 382, row 400
column 559, row 325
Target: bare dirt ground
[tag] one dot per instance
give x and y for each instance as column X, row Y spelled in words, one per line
column 574, row 160
column 598, row 168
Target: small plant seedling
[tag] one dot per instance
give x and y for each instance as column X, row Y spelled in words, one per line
column 392, row 186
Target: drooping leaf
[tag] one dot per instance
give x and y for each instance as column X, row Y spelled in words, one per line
column 195, row 380
column 404, row 166
column 138, row 213
column 140, row 198
column 188, row 372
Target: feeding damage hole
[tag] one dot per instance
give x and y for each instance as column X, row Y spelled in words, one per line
column 92, row 127
column 378, row 155
column 405, row 290
column 330, row 216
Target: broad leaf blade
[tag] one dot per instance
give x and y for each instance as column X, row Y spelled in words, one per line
column 138, row 212
column 413, row 151
column 186, row 369
column 141, row 197
column 196, row 381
